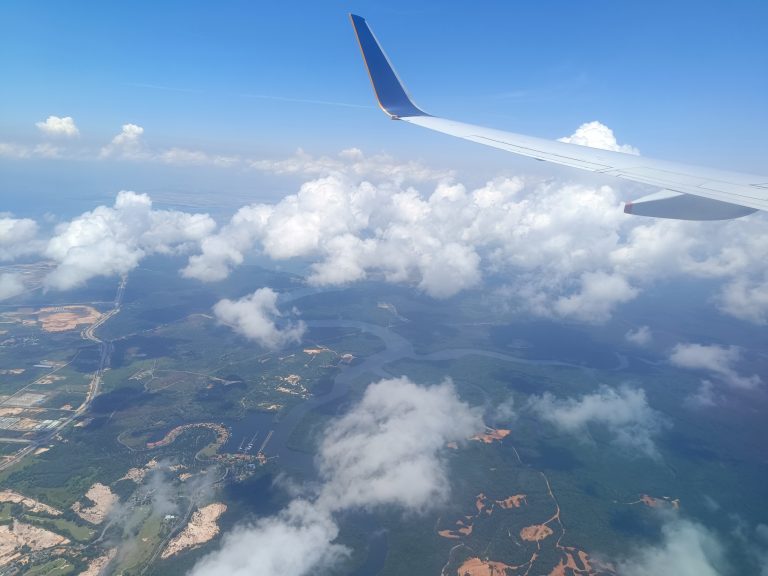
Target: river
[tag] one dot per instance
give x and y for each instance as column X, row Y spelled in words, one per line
column 396, row 347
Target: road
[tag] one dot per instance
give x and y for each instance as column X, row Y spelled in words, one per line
column 88, row 333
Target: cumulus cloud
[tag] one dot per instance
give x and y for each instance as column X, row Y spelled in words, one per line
column 640, row 336
column 10, row 285
column 704, row 397
column 255, row 316
column 18, row 237
column 719, row 360
column 113, row 240
column 552, row 248
column 127, row 144
column 746, row 298
column 562, row 250
column 624, row 413
column 597, row 135
column 598, row 294
column 687, row 548
column 56, row 126
column 386, row 451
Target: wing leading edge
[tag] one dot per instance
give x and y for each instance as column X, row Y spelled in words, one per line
column 716, row 194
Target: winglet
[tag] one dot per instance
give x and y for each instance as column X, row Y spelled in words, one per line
column 390, row 92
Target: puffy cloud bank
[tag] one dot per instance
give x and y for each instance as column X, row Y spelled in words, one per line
column 113, row 240
column 686, row 549
column 552, row 248
column 597, row 135
column 560, row 249
column 255, row 316
column 127, row 144
column 721, row 361
column 10, row 285
column 18, row 237
column 386, row 451
column 55, row 126
column 624, row 413
column 640, row 336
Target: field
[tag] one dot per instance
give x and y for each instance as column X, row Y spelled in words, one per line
column 190, row 414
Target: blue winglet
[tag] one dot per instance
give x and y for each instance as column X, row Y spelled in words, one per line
column 390, row 92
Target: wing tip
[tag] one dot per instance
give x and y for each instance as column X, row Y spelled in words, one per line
column 390, row 93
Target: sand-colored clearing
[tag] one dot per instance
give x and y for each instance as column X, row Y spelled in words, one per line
column 535, row 533
column 315, row 351
column 63, row 318
column 663, row 502
column 50, row 379
column 29, row 503
column 97, row 565
column 137, row 474
column 481, row 503
column 462, row 530
column 202, row 527
column 477, row 567
column 578, row 562
column 103, row 499
column 514, row 501
column 492, row 435
column 14, row 536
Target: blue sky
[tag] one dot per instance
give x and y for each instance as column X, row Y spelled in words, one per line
column 680, row 80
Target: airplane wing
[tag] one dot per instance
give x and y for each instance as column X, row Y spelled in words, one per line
column 688, row 192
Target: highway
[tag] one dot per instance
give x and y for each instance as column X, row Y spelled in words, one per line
column 94, row 385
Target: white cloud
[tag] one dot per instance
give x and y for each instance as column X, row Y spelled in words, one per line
column 184, row 157
column 386, row 451
column 22, row 152
column 640, row 336
column 298, row 541
column 625, row 413
column 704, row 397
column 747, row 299
column 598, row 294
column 18, row 237
column 597, row 135
column 254, row 316
column 686, row 549
column 563, row 250
column 56, row 126
column 113, row 240
column 127, row 144
column 554, row 248
column 719, row 360
column 10, row 285
column 351, row 162
column 11, row 150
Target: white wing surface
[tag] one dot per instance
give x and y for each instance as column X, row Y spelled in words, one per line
column 688, row 192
